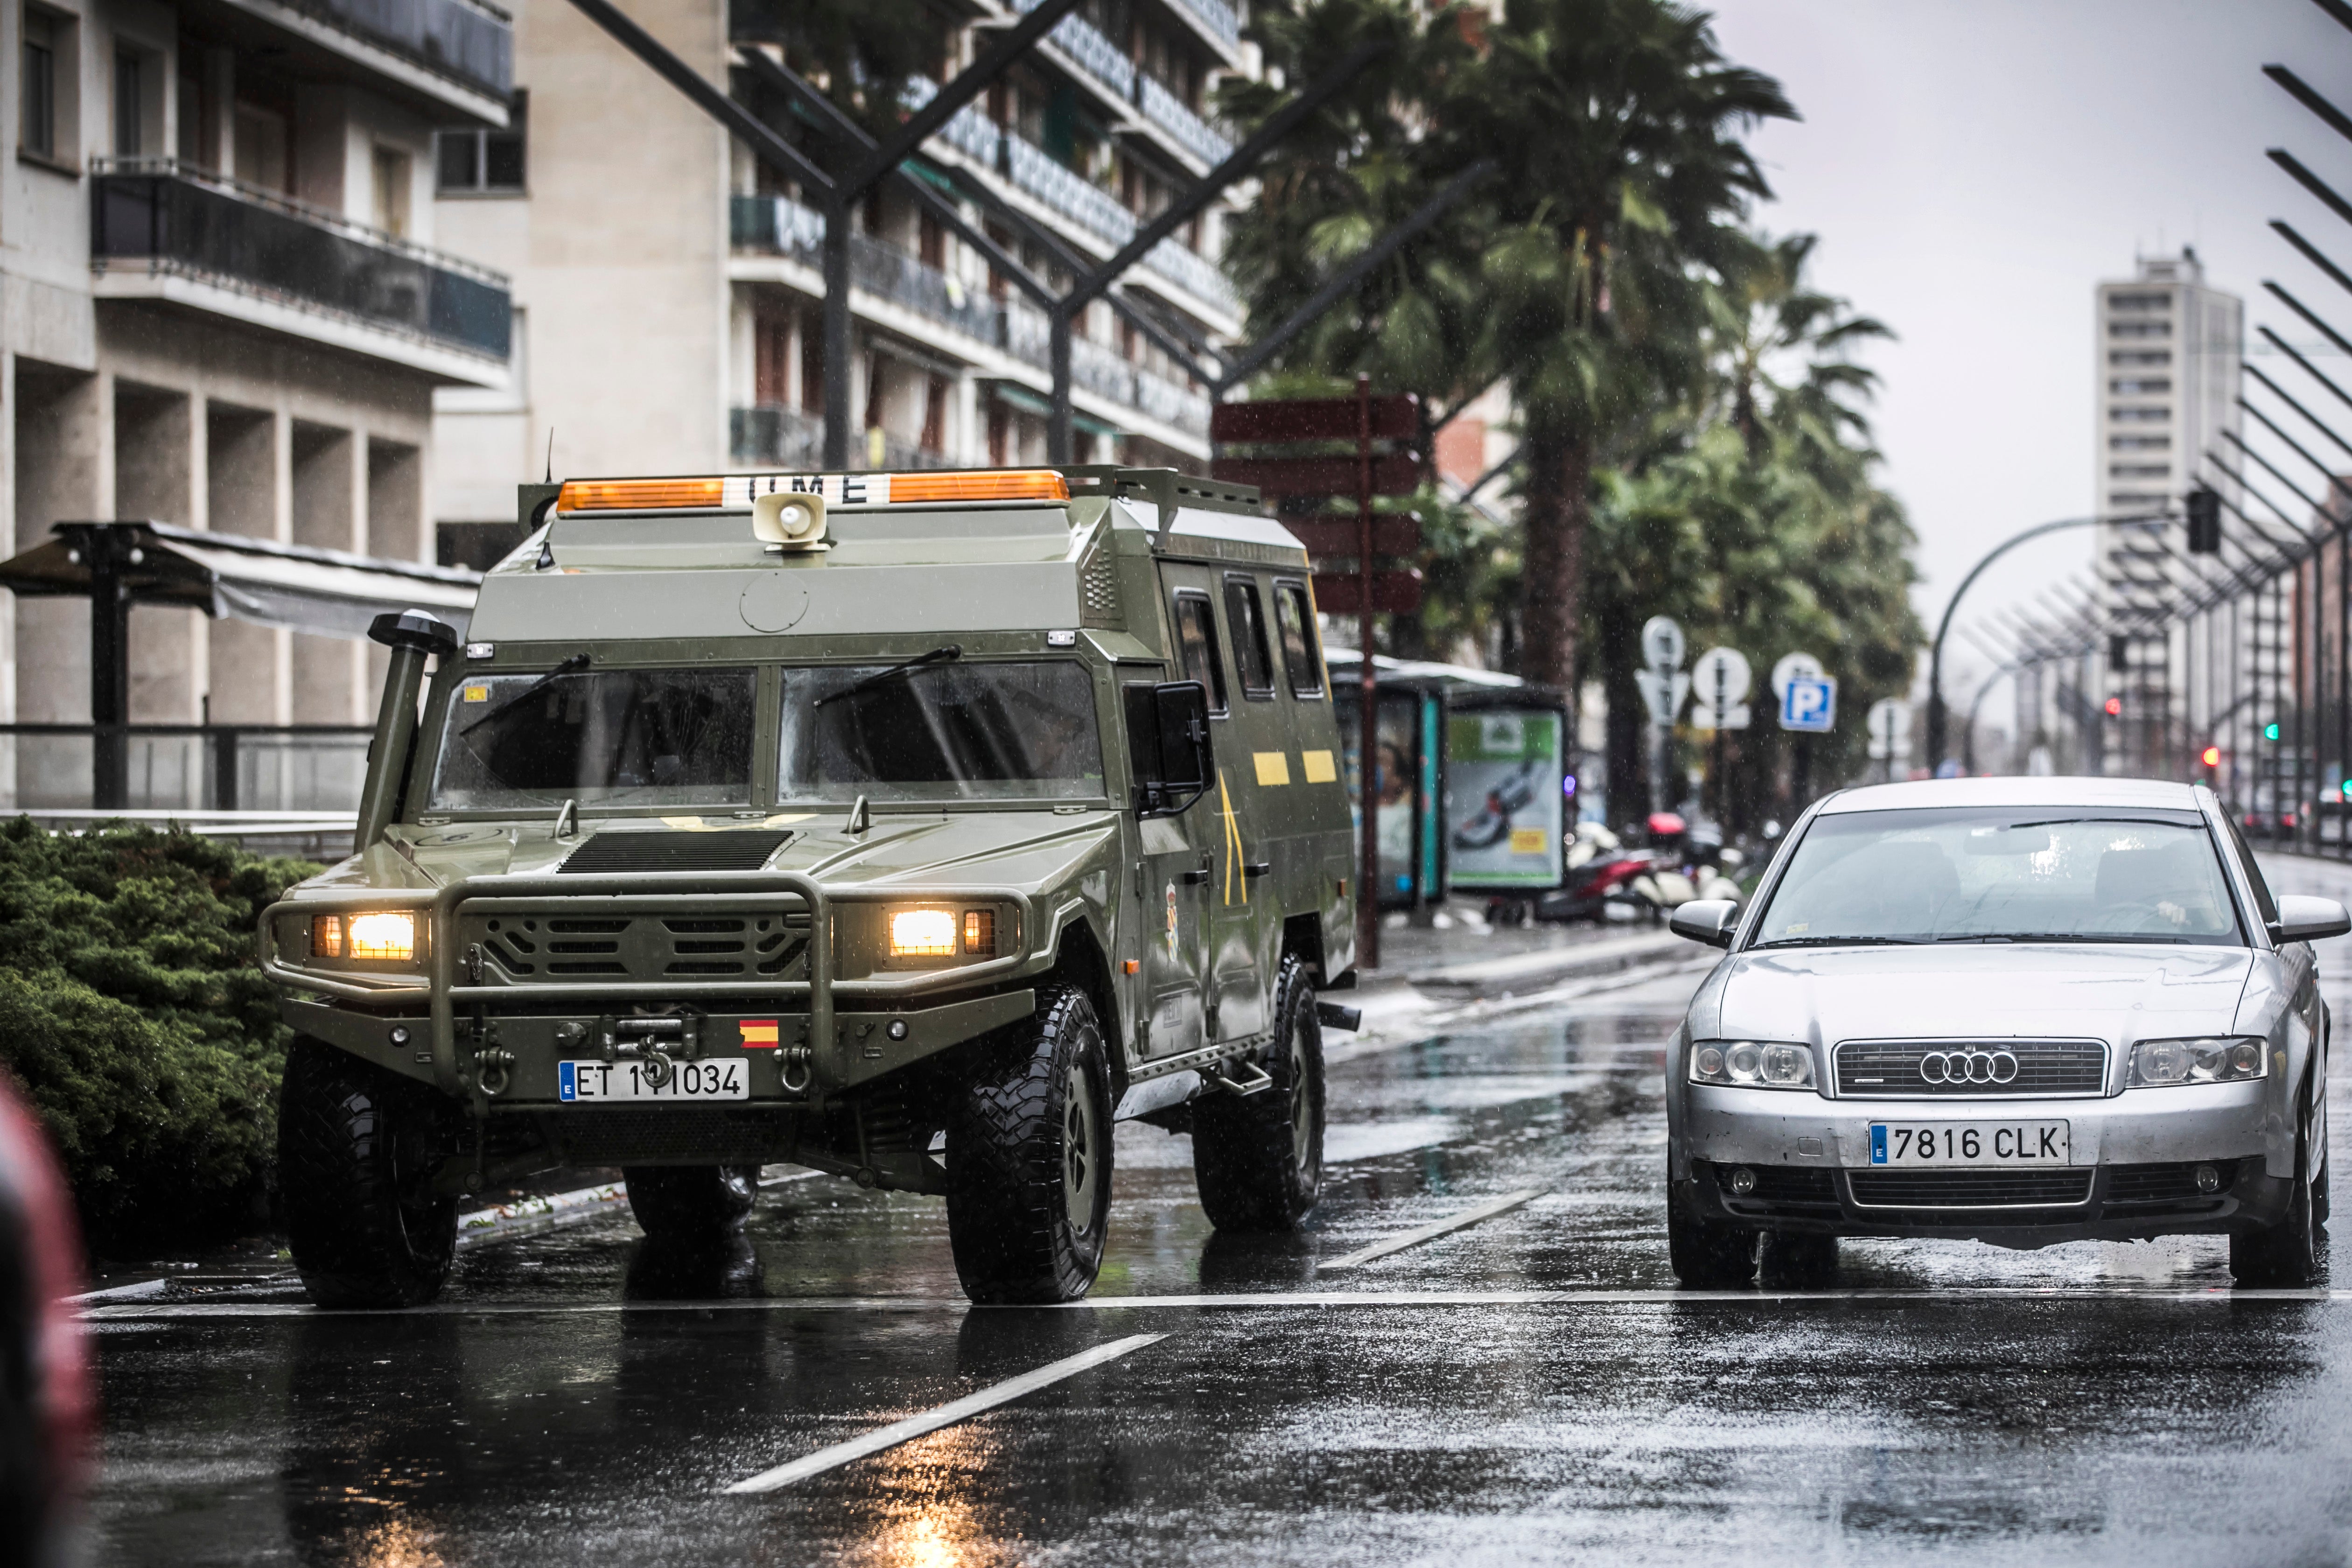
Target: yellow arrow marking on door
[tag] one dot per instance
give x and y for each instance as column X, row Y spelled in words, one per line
column 1235, row 852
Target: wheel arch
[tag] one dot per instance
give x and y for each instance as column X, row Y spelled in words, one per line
column 1080, row 962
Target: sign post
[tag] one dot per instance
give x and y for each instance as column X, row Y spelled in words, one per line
column 1724, row 676
column 1890, row 733
column 1665, row 686
column 1808, row 700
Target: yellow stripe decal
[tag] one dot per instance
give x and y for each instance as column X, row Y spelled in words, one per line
column 1319, row 768
column 1235, row 854
column 1272, row 767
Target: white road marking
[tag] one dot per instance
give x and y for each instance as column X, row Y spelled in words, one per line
column 947, row 1415
column 1244, row 1300
column 1470, row 1216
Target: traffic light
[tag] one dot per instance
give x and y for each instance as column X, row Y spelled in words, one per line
column 2211, row 757
column 2204, row 521
column 2118, row 655
column 2270, row 730
column 2114, row 706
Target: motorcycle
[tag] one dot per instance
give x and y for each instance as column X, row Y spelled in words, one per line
column 1685, row 866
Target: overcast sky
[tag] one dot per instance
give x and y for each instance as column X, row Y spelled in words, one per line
column 1974, row 167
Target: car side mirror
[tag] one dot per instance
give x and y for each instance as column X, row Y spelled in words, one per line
column 1168, row 745
column 1710, row 920
column 2303, row 918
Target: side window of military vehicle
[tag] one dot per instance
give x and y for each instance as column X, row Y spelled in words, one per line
column 1301, row 660
column 1245, row 618
column 1196, row 641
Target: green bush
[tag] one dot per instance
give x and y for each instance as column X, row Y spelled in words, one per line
column 134, row 1017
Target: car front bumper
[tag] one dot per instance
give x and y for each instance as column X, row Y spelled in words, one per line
column 2132, row 1168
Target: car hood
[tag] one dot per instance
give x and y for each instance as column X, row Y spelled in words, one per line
column 1033, row 849
column 2106, row 992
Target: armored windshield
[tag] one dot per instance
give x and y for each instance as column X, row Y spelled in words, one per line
column 601, row 737
column 941, row 730
column 2003, row 874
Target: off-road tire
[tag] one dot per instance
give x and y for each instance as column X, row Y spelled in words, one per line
column 1258, row 1159
column 1029, row 1158
column 357, row 1149
column 691, row 1202
column 2287, row 1254
column 1707, row 1253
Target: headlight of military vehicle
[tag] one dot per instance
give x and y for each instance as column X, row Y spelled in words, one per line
column 388, row 936
column 2157, row 1064
column 1751, row 1064
column 936, row 931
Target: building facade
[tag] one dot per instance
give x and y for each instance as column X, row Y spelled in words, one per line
column 224, row 310
column 2167, row 355
column 667, row 286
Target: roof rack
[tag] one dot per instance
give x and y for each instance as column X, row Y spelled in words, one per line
column 1166, row 489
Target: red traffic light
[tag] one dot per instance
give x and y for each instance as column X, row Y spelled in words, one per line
column 2211, row 757
column 2114, row 706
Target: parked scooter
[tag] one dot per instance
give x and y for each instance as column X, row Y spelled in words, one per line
column 1684, row 865
column 1601, row 873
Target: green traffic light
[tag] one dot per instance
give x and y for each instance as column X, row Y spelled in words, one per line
column 2270, row 731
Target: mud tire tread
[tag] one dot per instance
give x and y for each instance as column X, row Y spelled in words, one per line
column 1007, row 1222
column 337, row 1120
column 1244, row 1160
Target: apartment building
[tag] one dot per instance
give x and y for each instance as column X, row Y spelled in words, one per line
column 224, row 310
column 667, row 286
column 2168, row 350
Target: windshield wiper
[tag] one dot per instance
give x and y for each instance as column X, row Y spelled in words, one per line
column 1844, row 942
column 2066, row 936
column 937, row 656
column 577, row 662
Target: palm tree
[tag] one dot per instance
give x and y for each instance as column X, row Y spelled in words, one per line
column 1616, row 124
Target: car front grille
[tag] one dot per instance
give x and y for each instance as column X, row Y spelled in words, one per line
column 555, row 945
column 1971, row 1189
column 1900, row 1069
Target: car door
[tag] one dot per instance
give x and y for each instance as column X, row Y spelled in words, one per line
column 1176, row 859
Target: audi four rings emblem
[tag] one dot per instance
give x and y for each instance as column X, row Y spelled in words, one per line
column 1968, row 1067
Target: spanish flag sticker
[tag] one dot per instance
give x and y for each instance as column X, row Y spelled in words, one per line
column 758, row 1034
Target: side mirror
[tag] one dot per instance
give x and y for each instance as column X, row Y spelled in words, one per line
column 1710, row 920
column 1168, row 745
column 2303, row 918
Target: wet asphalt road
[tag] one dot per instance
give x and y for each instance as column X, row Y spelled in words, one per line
column 1542, row 1393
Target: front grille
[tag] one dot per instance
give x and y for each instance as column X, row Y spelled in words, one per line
column 728, row 850
column 540, row 946
column 1890, row 1070
column 1971, row 1189
column 2174, row 1183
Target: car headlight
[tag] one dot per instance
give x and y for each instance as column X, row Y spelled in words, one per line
column 387, row 935
column 1752, row 1064
column 922, row 934
column 2207, row 1058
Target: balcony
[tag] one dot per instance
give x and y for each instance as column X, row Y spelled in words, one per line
column 1186, row 128
column 1220, row 20
column 1101, row 372
column 165, row 232
column 775, row 435
column 1062, row 188
column 452, row 54
column 783, row 227
column 1095, row 55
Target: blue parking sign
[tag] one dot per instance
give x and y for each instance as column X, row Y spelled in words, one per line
column 1809, row 705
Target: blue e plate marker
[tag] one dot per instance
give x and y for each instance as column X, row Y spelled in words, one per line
column 1877, row 1134
column 567, row 1082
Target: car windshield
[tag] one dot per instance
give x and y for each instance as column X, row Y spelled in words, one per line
column 940, row 730
column 2020, row 874
column 600, row 737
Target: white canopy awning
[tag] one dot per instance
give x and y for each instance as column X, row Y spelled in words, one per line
column 327, row 593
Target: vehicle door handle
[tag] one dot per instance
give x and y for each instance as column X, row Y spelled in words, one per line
column 1255, row 869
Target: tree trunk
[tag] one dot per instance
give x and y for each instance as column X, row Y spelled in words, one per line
column 1559, row 476
column 1628, row 727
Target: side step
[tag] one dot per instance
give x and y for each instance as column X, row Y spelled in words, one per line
column 1257, row 1082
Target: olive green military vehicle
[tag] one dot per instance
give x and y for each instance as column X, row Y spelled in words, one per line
column 912, row 828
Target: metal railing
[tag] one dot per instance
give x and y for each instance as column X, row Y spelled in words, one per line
column 1062, row 188
column 1094, row 54
column 1221, row 19
column 467, row 42
column 776, row 434
column 1174, row 116
column 165, row 216
column 783, row 227
column 187, row 767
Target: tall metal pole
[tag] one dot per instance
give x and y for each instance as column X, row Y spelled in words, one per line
column 838, row 216
column 1368, row 902
column 1061, row 437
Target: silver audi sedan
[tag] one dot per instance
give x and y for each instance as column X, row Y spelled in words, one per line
column 2021, row 1011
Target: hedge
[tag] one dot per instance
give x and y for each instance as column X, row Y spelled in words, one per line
column 134, row 1017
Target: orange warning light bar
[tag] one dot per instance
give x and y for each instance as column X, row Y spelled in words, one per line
column 639, row 495
column 1002, row 484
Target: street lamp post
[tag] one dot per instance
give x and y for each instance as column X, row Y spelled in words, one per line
column 1936, row 714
